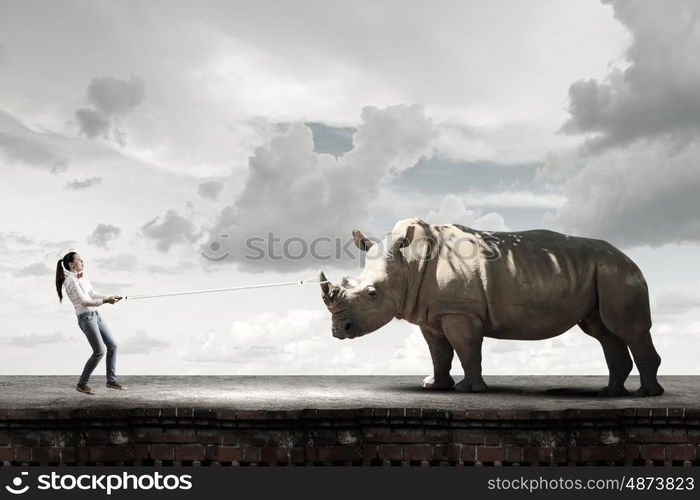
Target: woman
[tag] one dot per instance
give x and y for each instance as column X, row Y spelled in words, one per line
column 69, row 276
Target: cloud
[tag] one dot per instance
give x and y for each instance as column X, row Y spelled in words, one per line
column 677, row 301
column 297, row 341
column 77, row 185
column 111, row 99
column 141, row 343
column 103, row 235
column 34, row 339
column 169, row 230
column 93, row 123
column 210, row 189
column 636, row 180
column 656, row 95
column 293, row 192
column 36, row 269
column 121, row 262
column 113, row 96
column 453, row 211
column 646, row 195
column 331, row 140
column 20, row 144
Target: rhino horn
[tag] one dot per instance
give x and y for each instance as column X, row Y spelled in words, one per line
column 325, row 286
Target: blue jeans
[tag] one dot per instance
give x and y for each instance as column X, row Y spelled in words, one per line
column 94, row 327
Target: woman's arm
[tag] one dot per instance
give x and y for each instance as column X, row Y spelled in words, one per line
column 76, row 294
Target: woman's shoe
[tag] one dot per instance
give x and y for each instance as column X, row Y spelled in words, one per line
column 116, row 385
column 85, row 389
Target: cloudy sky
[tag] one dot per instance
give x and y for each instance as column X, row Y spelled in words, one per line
column 156, row 138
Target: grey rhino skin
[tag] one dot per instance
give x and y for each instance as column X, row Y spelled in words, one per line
column 460, row 285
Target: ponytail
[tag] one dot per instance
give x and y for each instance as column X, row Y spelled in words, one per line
column 60, row 277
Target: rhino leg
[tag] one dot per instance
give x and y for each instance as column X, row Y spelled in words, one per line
column 617, row 355
column 648, row 361
column 441, row 353
column 466, row 335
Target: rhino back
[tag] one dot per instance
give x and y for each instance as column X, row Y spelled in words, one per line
column 536, row 284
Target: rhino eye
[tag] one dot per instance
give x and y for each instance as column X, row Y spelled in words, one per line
column 371, row 291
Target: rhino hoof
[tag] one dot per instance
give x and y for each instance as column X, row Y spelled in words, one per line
column 444, row 383
column 615, row 392
column 468, row 386
column 655, row 390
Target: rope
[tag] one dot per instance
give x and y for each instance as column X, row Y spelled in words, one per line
column 313, row 281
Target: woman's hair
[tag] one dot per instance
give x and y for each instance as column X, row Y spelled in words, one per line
column 63, row 264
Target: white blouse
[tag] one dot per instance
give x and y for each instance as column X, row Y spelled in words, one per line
column 81, row 293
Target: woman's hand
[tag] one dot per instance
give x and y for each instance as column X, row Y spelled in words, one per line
column 113, row 299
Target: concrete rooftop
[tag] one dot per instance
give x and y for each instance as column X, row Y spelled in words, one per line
column 333, row 392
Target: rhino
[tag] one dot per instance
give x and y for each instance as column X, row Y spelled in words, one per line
column 460, row 285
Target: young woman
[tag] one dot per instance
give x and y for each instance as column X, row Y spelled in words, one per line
column 69, row 276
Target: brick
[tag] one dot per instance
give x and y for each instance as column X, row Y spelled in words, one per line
column 514, row 438
column 25, row 438
column 547, row 439
column 389, row 435
column 4, row 438
column 46, row 455
column 369, row 451
column 323, row 437
column 442, row 452
column 418, row 452
column 140, row 451
column 190, row 452
column 23, row 454
column 437, row 436
column 274, row 455
column 389, row 452
column 7, row 454
column 228, row 454
column 179, row 435
column 633, row 451
column 651, row 435
column 251, row 454
column 596, row 453
column 208, row 436
column 82, row 454
column 454, row 452
column 69, row 455
column 467, row 453
column 339, row 453
column 653, row 452
column 490, row 454
column 585, row 437
column 681, row 452
column 253, row 438
column 694, row 436
column 468, row 436
column 161, row 451
column 514, row 454
column 537, row 454
column 297, row 455
column 110, row 453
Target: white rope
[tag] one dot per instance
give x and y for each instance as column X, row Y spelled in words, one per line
column 314, row 281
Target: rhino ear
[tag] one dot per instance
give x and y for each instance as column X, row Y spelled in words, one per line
column 362, row 241
column 405, row 239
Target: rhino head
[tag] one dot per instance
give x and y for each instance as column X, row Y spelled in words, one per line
column 364, row 304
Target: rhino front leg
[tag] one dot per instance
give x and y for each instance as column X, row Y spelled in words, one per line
column 466, row 335
column 441, row 353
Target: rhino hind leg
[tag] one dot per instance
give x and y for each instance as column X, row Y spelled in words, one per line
column 648, row 361
column 617, row 355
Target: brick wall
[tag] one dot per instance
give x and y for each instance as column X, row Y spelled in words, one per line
column 397, row 436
